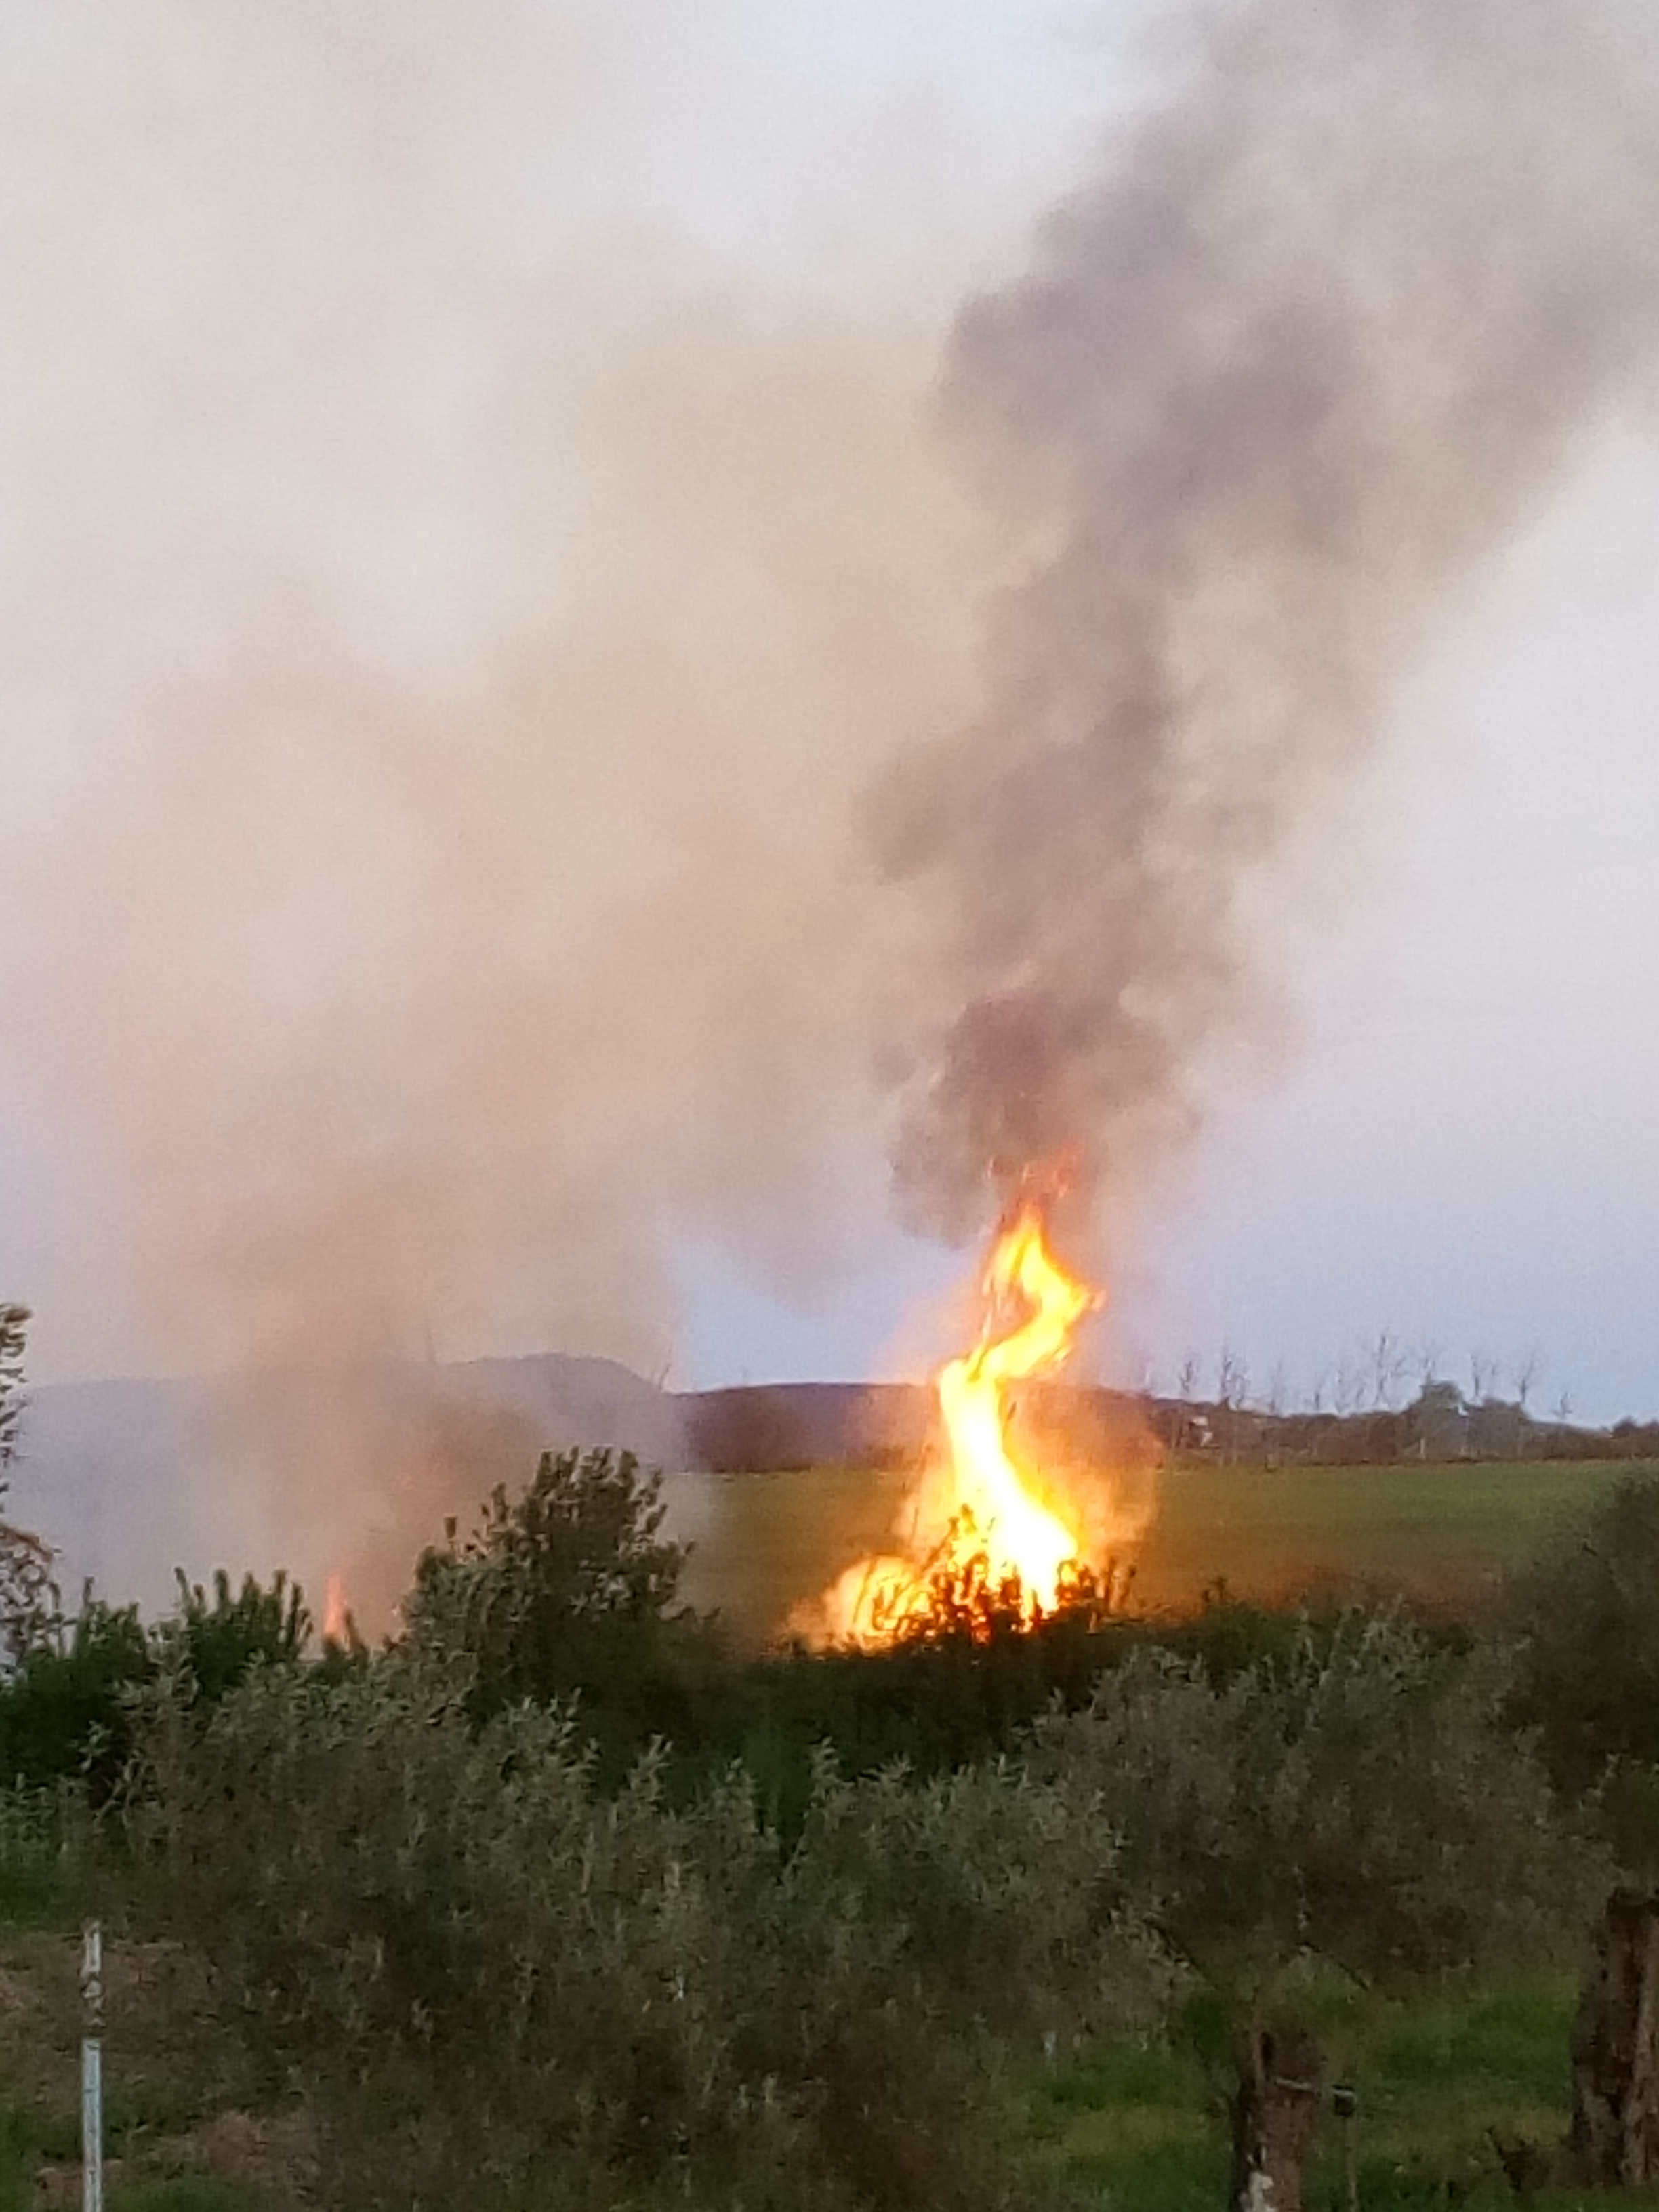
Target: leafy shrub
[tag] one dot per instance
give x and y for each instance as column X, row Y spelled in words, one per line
column 65, row 1707
column 491, row 1975
column 570, row 1591
column 974, row 1685
column 1359, row 1796
column 1586, row 1621
column 216, row 1645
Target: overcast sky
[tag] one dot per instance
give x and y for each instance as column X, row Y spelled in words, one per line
column 1448, row 1130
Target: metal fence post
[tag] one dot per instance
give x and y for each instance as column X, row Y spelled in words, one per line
column 92, row 2069
column 1345, row 2103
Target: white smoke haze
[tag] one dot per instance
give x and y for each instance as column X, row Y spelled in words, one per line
column 446, row 617
column 515, row 752
column 456, row 651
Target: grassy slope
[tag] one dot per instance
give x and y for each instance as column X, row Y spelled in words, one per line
column 1442, row 1534
column 1437, row 2075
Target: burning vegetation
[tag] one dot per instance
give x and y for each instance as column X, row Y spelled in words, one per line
column 988, row 1525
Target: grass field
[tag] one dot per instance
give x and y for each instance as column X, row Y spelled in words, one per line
column 1442, row 1534
column 1439, row 2076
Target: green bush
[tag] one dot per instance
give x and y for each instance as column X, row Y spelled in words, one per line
column 566, row 1592
column 217, row 1643
column 973, row 1686
column 1359, row 1796
column 1586, row 1621
column 65, row 1707
column 496, row 1979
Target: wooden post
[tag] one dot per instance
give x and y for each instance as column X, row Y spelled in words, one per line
column 1615, row 2143
column 1274, row 2116
column 92, row 2069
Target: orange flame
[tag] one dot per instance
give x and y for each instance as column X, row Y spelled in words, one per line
column 993, row 1517
column 1021, row 1535
column 337, row 1611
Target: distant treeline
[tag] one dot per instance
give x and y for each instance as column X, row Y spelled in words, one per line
column 1439, row 1424
column 774, row 1428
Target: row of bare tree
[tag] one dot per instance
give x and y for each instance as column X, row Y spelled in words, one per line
column 1378, row 1376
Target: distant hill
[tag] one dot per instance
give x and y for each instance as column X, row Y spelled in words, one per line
column 127, row 1480
column 355, row 1472
column 778, row 1427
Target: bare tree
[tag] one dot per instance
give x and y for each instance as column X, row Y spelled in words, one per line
column 1232, row 1378
column 1232, row 1390
column 1278, row 1390
column 1483, row 1371
column 1348, row 1388
column 1186, row 1390
column 1564, row 1408
column 1527, row 1369
column 25, row 1560
column 13, row 1342
column 1388, row 1362
column 1431, row 1357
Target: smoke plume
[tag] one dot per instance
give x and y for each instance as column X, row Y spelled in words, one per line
column 1305, row 354
column 462, row 646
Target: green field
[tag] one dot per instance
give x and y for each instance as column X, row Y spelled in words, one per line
column 1442, row 1534
column 1444, row 2078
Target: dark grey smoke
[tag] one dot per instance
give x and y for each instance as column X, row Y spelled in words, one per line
column 1300, row 359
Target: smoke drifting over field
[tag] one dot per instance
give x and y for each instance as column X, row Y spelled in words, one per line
column 444, row 614
column 461, row 658
column 1310, row 349
column 443, row 629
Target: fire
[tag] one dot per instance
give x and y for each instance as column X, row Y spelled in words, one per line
column 994, row 1525
column 1022, row 1535
column 336, row 1610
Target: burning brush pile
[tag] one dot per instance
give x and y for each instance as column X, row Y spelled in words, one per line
column 986, row 1533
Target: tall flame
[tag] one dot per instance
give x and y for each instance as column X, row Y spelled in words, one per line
column 994, row 1514
column 1020, row 1534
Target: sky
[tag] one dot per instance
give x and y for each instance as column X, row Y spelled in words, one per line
column 1444, row 1127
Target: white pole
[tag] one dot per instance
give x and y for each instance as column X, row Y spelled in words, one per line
column 92, row 2069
